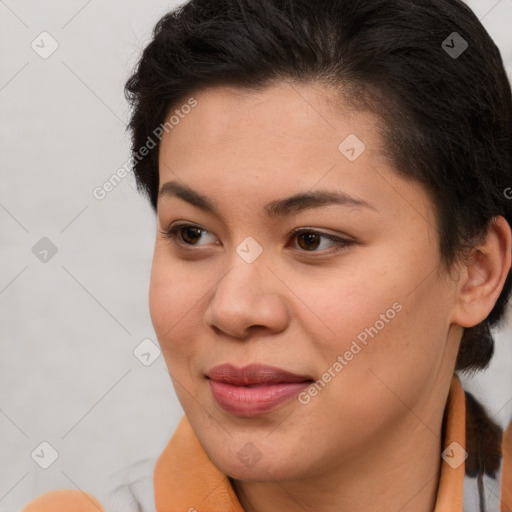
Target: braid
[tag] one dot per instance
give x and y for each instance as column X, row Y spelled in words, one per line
column 483, row 444
column 476, row 348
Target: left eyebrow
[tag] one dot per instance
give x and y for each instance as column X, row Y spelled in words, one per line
column 275, row 209
column 308, row 200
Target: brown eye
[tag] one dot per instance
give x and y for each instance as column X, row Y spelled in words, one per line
column 311, row 240
column 184, row 234
column 190, row 234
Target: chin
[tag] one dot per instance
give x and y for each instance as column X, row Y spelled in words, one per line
column 249, row 465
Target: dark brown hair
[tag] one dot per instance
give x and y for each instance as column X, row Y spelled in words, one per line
column 446, row 118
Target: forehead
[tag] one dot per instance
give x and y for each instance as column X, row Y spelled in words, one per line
column 281, row 140
column 282, row 109
column 276, row 131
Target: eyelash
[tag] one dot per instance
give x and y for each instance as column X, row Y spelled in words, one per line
column 341, row 243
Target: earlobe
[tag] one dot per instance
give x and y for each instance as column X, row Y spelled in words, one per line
column 486, row 270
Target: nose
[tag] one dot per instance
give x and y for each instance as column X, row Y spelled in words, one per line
column 248, row 298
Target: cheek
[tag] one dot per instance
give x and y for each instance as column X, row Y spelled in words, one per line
column 174, row 296
column 358, row 303
column 160, row 298
column 381, row 317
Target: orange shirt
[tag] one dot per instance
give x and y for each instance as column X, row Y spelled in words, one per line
column 506, row 471
column 185, row 480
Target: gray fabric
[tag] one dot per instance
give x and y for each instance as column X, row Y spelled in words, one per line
column 492, row 493
column 130, row 489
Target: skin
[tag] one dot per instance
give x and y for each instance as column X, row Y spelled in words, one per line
column 375, row 429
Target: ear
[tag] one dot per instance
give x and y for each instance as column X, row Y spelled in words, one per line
column 483, row 274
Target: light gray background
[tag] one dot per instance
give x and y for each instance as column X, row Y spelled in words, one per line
column 69, row 326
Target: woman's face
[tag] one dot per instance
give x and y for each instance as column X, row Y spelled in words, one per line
column 368, row 317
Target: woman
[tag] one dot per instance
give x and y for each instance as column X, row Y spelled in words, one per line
column 331, row 182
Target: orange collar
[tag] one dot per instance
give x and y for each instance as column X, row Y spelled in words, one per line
column 450, row 493
column 185, row 479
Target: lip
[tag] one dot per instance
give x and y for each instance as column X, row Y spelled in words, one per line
column 254, row 389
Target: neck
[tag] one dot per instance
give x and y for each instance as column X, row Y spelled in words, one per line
column 399, row 471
